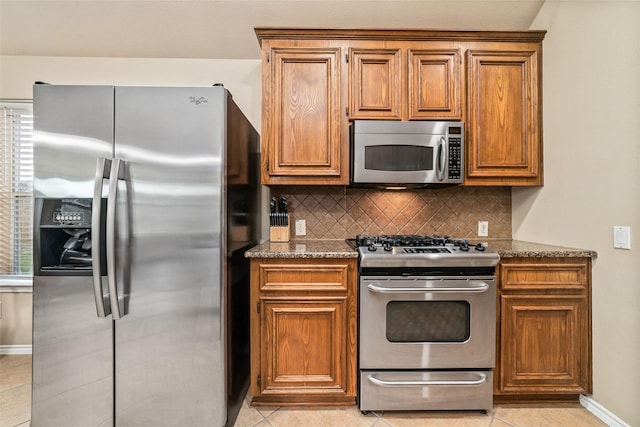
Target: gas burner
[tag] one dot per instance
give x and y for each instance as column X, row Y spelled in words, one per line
column 395, row 240
column 415, row 250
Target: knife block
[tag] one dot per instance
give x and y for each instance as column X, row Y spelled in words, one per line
column 280, row 233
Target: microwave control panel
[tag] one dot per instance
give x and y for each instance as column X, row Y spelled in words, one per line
column 455, row 157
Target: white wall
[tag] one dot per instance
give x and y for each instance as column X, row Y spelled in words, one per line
column 592, row 175
column 15, row 319
column 241, row 77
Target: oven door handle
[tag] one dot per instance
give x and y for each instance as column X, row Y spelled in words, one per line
column 476, row 287
column 482, row 379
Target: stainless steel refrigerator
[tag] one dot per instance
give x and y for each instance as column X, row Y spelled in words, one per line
column 145, row 201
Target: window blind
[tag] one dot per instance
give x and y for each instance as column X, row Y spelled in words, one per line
column 16, row 188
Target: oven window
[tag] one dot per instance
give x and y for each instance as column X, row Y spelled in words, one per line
column 398, row 158
column 428, row 321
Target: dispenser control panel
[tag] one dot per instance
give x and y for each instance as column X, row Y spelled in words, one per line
column 69, row 218
column 66, row 212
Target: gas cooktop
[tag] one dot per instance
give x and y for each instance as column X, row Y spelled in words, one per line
column 421, row 251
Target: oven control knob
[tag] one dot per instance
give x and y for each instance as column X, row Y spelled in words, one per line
column 387, row 247
column 480, row 247
column 372, row 248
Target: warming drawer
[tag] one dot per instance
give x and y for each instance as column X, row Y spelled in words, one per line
column 426, row 390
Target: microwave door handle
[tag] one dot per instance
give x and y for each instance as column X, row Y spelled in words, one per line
column 440, row 159
column 476, row 287
column 102, row 302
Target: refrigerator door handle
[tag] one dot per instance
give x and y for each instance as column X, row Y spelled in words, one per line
column 115, row 173
column 102, row 301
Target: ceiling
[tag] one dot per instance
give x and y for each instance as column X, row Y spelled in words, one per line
column 224, row 29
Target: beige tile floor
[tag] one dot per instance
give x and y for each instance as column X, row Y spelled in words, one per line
column 15, row 411
column 564, row 415
column 15, row 391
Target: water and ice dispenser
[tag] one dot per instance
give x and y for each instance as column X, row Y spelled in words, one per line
column 63, row 236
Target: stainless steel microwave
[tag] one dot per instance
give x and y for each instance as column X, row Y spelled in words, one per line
column 407, row 153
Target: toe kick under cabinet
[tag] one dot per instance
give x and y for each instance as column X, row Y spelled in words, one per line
column 544, row 329
column 303, row 326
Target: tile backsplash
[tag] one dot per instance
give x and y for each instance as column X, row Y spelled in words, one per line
column 341, row 212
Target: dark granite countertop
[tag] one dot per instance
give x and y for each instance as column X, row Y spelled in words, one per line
column 340, row 249
column 519, row 248
column 303, row 249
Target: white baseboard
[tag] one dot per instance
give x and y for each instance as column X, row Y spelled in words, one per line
column 15, row 349
column 608, row 417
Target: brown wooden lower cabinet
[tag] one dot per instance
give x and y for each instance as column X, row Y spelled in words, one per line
column 544, row 329
column 304, row 330
column 303, row 326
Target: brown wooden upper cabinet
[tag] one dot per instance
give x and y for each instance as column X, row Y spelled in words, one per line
column 504, row 140
column 404, row 82
column 304, row 139
column 376, row 84
column 315, row 81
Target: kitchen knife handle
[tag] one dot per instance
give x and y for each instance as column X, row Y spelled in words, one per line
column 111, row 237
column 102, row 302
column 272, row 212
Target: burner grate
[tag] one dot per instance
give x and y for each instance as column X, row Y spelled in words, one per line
column 408, row 240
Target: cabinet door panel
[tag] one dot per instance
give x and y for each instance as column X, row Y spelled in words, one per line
column 303, row 345
column 376, row 84
column 434, row 84
column 305, row 95
column 504, row 141
column 546, row 345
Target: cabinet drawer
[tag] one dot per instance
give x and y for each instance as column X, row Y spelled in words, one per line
column 290, row 277
column 407, row 390
column 536, row 276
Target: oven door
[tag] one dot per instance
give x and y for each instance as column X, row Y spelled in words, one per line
column 427, row 322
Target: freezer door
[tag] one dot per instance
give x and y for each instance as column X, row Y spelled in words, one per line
column 72, row 346
column 72, row 355
column 73, row 126
column 169, row 340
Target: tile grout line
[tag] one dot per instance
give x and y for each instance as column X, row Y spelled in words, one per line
column 266, row 417
column 509, row 423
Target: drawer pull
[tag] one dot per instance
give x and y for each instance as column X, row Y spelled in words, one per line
column 482, row 379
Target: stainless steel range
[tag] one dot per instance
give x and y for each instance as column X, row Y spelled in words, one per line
column 426, row 323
